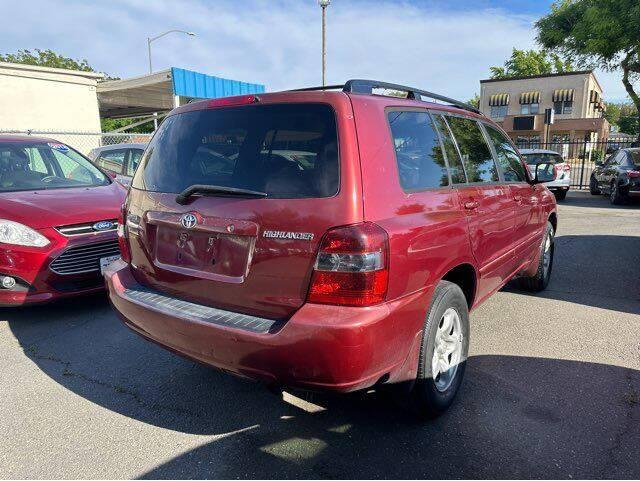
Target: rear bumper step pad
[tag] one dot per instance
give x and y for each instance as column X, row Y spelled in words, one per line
column 174, row 307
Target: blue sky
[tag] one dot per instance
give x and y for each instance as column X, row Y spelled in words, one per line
column 444, row 46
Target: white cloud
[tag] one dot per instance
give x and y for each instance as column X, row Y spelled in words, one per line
column 278, row 42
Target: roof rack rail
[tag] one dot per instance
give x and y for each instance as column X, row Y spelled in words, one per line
column 362, row 86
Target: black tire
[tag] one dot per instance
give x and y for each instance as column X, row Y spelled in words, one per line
column 561, row 194
column 593, row 186
column 616, row 196
column 540, row 280
column 431, row 397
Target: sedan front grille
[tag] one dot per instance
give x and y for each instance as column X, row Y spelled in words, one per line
column 84, row 258
column 88, row 227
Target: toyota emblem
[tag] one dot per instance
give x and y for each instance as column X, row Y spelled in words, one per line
column 188, row 221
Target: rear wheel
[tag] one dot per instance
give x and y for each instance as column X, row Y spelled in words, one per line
column 540, row 280
column 593, row 186
column 561, row 194
column 615, row 195
column 443, row 354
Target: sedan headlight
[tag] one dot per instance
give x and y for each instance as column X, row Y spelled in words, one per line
column 19, row 234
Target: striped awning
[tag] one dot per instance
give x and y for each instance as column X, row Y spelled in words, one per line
column 498, row 100
column 529, row 98
column 561, row 95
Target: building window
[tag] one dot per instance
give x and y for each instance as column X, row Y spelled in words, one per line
column 563, row 107
column 498, row 111
column 527, row 109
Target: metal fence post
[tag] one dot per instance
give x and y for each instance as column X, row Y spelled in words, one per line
column 584, row 159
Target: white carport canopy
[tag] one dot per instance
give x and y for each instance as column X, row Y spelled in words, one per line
column 137, row 96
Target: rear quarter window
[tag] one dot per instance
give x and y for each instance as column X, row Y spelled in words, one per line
column 421, row 164
column 284, row 150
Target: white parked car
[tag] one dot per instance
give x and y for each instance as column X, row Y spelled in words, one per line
column 559, row 186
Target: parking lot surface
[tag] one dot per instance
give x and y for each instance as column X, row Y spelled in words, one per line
column 552, row 390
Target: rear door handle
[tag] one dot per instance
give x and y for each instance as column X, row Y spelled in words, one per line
column 473, row 204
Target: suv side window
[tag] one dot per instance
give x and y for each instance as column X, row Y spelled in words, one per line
column 419, row 156
column 476, row 155
column 112, row 160
column 456, row 170
column 508, row 158
column 134, row 160
column 614, row 159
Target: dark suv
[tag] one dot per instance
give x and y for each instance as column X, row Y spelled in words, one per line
column 328, row 239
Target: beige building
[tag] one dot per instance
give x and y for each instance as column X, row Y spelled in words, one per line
column 519, row 103
column 43, row 98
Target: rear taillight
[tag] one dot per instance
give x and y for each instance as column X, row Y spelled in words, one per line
column 352, row 267
column 123, row 235
column 633, row 173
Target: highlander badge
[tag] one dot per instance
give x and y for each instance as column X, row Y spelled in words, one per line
column 278, row 234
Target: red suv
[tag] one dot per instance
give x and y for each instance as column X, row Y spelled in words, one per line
column 58, row 219
column 328, row 239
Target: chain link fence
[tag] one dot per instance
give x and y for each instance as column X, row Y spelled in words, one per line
column 84, row 142
column 580, row 154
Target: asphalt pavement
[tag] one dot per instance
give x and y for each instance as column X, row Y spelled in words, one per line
column 552, row 390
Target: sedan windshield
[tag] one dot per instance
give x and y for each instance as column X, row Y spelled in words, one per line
column 537, row 158
column 45, row 165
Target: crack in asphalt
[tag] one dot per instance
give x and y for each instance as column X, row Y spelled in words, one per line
column 32, row 352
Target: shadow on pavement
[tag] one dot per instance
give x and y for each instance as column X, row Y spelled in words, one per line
column 515, row 417
column 585, row 199
column 594, row 270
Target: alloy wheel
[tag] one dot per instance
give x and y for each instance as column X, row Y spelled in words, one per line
column 447, row 350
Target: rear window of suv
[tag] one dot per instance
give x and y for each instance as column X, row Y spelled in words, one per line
column 284, row 150
column 541, row 157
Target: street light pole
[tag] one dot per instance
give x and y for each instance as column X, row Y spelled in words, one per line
column 324, row 4
column 151, row 39
column 149, row 50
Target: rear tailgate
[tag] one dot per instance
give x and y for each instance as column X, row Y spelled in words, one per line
column 249, row 255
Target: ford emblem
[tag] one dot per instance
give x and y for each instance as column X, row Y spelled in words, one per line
column 188, row 221
column 102, row 225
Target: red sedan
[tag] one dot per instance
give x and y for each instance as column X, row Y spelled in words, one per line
column 58, row 220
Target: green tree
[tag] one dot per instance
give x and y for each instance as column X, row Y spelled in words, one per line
column 109, row 125
column 474, row 101
column 46, row 58
column 624, row 116
column 598, row 34
column 523, row 63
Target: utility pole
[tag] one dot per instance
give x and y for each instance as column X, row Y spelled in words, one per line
column 151, row 39
column 324, row 4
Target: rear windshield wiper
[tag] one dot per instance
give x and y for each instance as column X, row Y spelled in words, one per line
column 220, row 190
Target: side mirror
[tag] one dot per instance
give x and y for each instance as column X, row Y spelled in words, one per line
column 545, row 172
